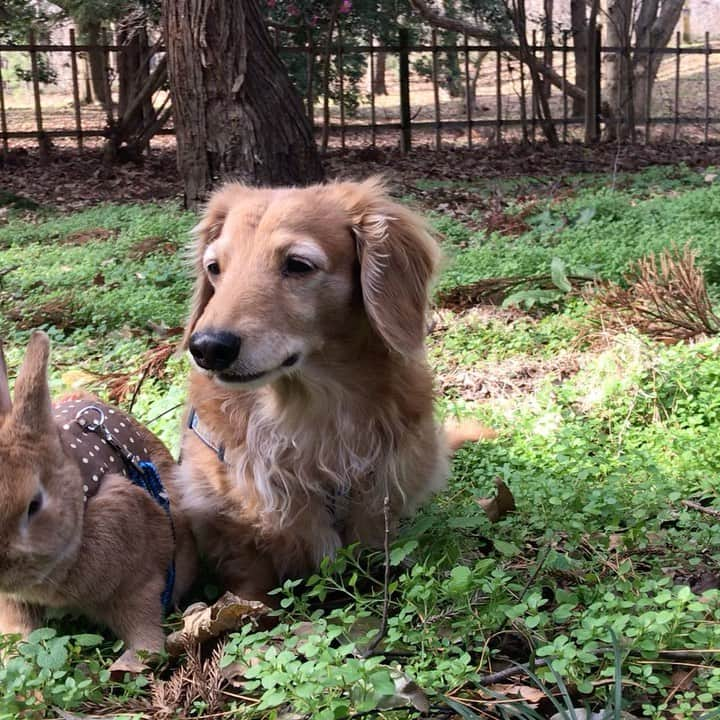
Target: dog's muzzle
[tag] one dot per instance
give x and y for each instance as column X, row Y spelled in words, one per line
column 214, row 349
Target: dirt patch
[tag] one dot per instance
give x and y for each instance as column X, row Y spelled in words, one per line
column 483, row 313
column 83, row 237
column 504, row 379
column 61, row 312
column 151, row 245
column 508, row 224
column 509, row 378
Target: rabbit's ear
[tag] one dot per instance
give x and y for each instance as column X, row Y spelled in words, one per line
column 33, row 407
column 5, row 402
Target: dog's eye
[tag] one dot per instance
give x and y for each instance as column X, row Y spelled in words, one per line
column 297, row 266
column 35, row 505
column 213, row 267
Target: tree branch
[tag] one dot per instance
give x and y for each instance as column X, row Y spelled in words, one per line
column 283, row 27
column 460, row 26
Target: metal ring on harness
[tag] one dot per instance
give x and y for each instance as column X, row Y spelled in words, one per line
column 91, row 426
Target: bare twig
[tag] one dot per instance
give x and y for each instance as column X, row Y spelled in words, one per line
column 163, row 413
column 509, row 672
column 370, row 649
column 488, row 290
column 536, row 571
column 144, row 374
column 701, row 508
column 6, row 271
column 538, row 567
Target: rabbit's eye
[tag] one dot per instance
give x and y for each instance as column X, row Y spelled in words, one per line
column 35, row 505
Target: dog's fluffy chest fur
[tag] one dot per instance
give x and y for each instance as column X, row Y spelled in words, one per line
column 305, row 478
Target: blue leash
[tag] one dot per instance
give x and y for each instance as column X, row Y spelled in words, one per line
column 145, row 475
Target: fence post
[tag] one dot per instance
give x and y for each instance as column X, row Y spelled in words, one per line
column 592, row 89
column 404, row 42
column 106, row 79
column 598, row 78
column 76, row 89
column 43, row 143
column 341, row 80
column 676, row 116
column 498, row 96
column 564, row 85
column 310, row 70
column 647, row 100
column 468, row 93
column 373, row 129
column 436, row 89
column 707, row 86
column 523, row 103
column 3, row 118
column 533, row 91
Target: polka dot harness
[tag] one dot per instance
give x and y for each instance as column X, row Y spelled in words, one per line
column 105, row 440
column 95, row 456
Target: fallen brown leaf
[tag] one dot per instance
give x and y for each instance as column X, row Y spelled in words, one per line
column 682, row 678
column 496, row 508
column 407, row 692
column 201, row 623
column 128, row 662
column 531, row 695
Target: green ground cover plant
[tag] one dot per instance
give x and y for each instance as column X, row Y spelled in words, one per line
column 603, row 576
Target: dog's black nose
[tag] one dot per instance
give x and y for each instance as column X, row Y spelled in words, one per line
column 214, row 349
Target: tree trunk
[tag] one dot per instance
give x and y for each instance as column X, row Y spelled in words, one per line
column 547, row 125
column 580, row 39
column 379, row 79
column 618, row 72
column 236, row 112
column 86, row 84
column 630, row 75
column 133, row 73
column 548, row 41
column 96, row 60
column 653, row 29
column 453, row 73
column 326, row 73
column 472, row 85
column 132, row 64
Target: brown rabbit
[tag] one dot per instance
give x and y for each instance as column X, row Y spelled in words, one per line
column 75, row 532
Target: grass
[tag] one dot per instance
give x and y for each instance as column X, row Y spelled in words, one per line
column 600, row 546
column 600, row 229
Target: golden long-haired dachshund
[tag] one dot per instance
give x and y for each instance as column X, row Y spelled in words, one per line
column 310, row 394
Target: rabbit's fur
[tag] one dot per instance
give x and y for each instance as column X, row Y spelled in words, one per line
column 106, row 559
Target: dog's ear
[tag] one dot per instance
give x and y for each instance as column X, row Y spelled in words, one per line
column 204, row 233
column 398, row 258
column 33, row 407
column 5, row 402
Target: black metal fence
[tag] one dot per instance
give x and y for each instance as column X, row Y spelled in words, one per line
column 497, row 100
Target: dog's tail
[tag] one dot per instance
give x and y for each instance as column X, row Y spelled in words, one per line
column 459, row 433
